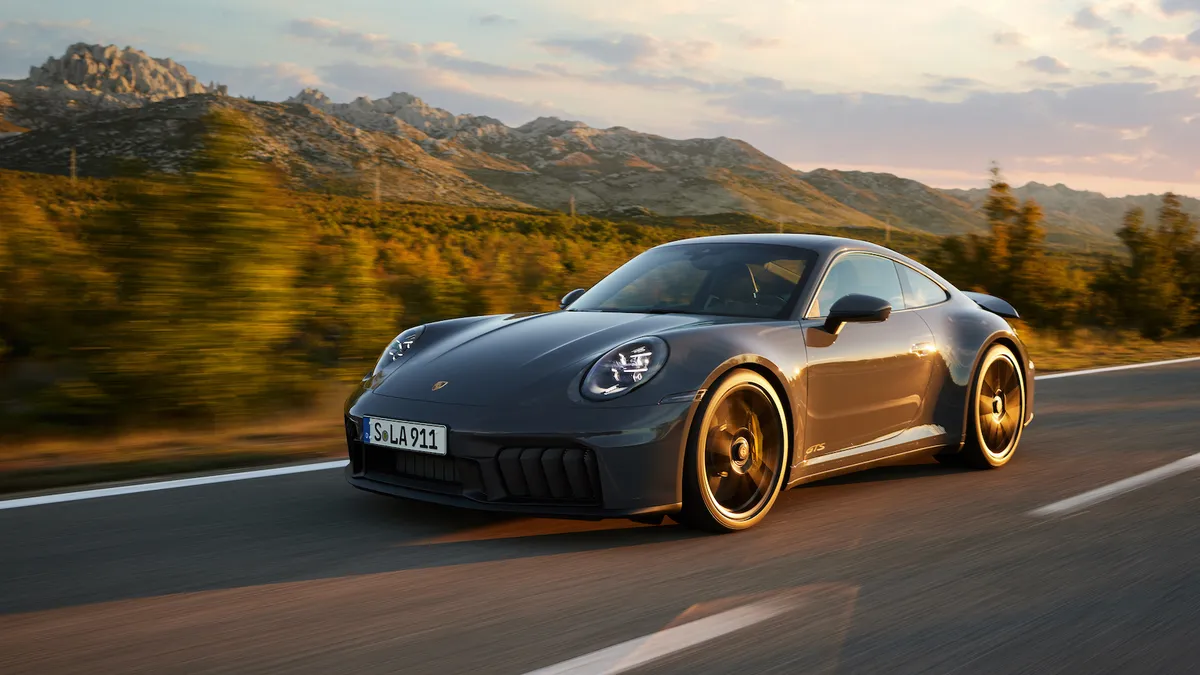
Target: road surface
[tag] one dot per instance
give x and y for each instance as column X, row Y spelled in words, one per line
column 907, row 569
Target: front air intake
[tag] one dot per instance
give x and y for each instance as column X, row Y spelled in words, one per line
column 549, row 474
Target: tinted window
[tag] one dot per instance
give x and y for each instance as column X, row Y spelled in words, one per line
column 920, row 291
column 857, row 273
column 671, row 284
column 750, row 280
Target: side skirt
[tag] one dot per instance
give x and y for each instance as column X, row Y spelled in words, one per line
column 862, row 465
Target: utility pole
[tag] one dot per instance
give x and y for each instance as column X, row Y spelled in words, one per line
column 73, row 164
column 572, row 207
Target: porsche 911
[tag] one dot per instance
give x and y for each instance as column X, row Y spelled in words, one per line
column 697, row 381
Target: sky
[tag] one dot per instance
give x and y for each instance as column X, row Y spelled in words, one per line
column 1097, row 95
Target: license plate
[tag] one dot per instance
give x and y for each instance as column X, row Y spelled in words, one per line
column 401, row 435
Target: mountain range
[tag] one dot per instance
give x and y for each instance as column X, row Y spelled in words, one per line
column 110, row 104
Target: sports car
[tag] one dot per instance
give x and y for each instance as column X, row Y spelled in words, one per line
column 697, row 381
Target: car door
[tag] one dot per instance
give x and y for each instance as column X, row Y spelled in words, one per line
column 866, row 383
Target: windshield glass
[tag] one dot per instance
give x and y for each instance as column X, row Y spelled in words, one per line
column 750, row 280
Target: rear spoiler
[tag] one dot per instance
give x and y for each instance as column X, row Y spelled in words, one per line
column 993, row 304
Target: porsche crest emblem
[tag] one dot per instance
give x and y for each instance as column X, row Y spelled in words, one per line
column 439, row 384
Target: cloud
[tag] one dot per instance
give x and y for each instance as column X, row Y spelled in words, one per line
column 758, row 42
column 1048, row 65
column 190, row 48
column 1086, row 129
column 458, row 64
column 946, row 85
column 1087, row 19
column 441, row 55
column 763, row 84
column 1008, row 38
column 268, row 80
column 1180, row 6
column 634, row 50
column 29, row 43
column 652, row 80
column 1139, row 72
column 495, row 20
column 335, row 34
column 436, row 88
column 1181, row 48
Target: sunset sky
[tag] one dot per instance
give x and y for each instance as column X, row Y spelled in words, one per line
column 1099, row 96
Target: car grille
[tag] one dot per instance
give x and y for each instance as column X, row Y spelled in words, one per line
column 541, row 474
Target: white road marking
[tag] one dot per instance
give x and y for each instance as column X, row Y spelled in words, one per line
column 167, row 484
column 640, row 651
column 320, row 466
column 1112, row 369
column 1080, row 502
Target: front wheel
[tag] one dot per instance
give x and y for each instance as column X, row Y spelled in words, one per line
column 737, row 455
column 996, row 410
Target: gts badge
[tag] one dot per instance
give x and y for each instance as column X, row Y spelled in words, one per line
column 819, row 447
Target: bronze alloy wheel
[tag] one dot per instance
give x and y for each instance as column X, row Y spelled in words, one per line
column 738, row 455
column 998, row 410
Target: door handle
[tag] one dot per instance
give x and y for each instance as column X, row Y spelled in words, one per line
column 923, row 348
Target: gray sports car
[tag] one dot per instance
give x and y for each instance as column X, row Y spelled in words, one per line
column 698, row 380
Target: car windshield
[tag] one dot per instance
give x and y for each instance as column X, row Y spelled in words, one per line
column 744, row 280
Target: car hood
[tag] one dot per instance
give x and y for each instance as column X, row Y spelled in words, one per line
column 517, row 359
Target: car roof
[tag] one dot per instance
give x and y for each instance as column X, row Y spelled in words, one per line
column 820, row 243
column 825, row 246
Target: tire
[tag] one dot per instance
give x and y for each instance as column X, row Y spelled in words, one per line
column 748, row 464
column 996, row 410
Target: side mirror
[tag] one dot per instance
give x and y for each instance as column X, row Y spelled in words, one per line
column 571, row 297
column 856, row 308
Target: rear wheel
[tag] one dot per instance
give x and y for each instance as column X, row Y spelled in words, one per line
column 737, row 455
column 996, row 410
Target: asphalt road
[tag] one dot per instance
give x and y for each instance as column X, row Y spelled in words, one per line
column 906, row 569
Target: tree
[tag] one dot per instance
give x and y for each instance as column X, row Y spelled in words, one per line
column 51, row 288
column 1001, row 209
column 206, row 267
column 1178, row 230
column 1147, row 289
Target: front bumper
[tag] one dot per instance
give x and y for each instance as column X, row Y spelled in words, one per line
column 584, row 461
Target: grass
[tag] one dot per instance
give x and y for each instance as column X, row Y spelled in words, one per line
column 57, row 462
column 317, row 433
column 1090, row 348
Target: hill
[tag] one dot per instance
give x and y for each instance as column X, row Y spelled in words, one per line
column 1086, row 212
column 905, row 203
column 112, row 105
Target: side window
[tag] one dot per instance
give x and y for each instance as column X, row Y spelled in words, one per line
column 920, row 290
column 859, row 273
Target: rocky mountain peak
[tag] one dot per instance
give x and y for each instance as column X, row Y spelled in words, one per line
column 309, row 96
column 91, row 78
column 108, row 69
column 551, row 126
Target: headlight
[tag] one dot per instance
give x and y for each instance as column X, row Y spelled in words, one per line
column 624, row 368
column 397, row 350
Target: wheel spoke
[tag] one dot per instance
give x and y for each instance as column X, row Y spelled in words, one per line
column 994, row 435
column 1009, row 426
column 985, row 405
column 1010, row 378
column 760, row 475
